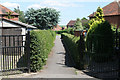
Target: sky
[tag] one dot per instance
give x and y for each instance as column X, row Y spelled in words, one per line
column 69, row 9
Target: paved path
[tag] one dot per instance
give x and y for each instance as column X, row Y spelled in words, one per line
column 58, row 65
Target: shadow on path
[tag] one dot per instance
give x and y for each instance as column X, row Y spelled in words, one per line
column 68, row 60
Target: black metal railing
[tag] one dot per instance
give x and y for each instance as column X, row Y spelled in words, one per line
column 14, row 52
column 101, row 59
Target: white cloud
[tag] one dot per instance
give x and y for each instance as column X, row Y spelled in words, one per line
column 92, row 0
column 59, row 3
column 58, row 0
column 10, row 5
column 35, row 6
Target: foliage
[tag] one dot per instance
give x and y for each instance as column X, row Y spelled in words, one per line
column 21, row 14
column 78, row 25
column 85, row 23
column 84, row 18
column 62, row 26
column 40, row 46
column 43, row 18
column 9, row 15
column 68, row 30
column 76, row 47
column 100, row 38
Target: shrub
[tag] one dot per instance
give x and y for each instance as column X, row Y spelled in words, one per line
column 40, row 46
column 76, row 47
column 78, row 25
column 69, row 30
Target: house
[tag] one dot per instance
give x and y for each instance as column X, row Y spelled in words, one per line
column 71, row 23
column 111, row 13
column 4, row 13
column 57, row 28
column 12, row 26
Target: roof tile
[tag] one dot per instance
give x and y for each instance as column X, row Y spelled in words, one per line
column 111, row 9
column 4, row 10
column 72, row 22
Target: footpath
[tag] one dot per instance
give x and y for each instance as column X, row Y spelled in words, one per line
column 58, row 65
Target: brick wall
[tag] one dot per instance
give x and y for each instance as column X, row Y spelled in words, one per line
column 112, row 19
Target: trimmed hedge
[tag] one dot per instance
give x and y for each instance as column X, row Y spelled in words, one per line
column 76, row 48
column 100, row 41
column 40, row 46
column 69, row 30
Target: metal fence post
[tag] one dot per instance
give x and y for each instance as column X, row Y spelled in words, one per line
column 28, row 50
column 119, row 57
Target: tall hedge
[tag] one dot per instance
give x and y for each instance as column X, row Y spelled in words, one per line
column 100, row 38
column 76, row 48
column 40, row 46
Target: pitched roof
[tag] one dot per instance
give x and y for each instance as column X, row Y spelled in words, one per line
column 20, row 23
column 4, row 10
column 71, row 23
column 57, row 28
column 110, row 9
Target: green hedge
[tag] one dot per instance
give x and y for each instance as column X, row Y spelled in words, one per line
column 40, row 46
column 69, row 30
column 100, row 41
column 76, row 48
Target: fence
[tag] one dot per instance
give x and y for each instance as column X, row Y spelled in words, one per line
column 15, row 52
column 101, row 59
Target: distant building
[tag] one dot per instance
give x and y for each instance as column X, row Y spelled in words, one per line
column 71, row 23
column 3, row 13
column 111, row 13
column 57, row 28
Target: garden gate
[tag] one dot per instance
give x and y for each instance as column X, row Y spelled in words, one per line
column 14, row 52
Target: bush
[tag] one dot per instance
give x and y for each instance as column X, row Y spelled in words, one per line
column 100, row 39
column 76, row 47
column 40, row 46
column 69, row 30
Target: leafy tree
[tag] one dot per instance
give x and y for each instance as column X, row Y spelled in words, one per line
column 29, row 16
column 78, row 24
column 21, row 14
column 84, row 18
column 98, row 16
column 85, row 22
column 42, row 18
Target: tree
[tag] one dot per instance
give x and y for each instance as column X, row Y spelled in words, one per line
column 85, row 22
column 21, row 14
column 84, row 18
column 98, row 16
column 78, row 24
column 43, row 18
